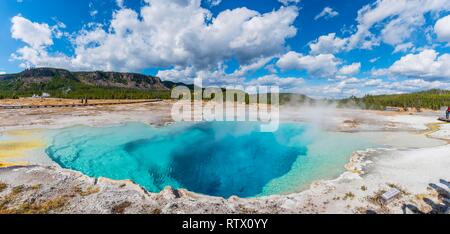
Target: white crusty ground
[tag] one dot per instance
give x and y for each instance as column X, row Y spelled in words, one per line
column 368, row 173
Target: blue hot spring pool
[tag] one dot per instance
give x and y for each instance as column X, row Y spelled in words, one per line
column 216, row 158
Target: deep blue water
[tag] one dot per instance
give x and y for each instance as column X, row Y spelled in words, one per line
column 218, row 158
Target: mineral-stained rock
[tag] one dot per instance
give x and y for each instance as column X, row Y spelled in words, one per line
column 73, row 192
column 39, row 189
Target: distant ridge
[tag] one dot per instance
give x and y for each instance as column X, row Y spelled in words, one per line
column 95, row 84
column 95, row 78
column 123, row 85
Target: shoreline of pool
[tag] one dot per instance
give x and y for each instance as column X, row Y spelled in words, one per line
column 38, row 156
column 361, row 171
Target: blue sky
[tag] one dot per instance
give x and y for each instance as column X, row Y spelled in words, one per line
column 322, row 48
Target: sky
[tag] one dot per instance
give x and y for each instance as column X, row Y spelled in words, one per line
column 321, row 48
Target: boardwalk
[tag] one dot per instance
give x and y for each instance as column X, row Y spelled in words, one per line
column 75, row 105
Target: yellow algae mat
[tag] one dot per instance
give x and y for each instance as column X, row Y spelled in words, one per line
column 434, row 127
column 21, row 141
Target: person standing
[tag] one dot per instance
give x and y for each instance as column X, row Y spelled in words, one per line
column 447, row 113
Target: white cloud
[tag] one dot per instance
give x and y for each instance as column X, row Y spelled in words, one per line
column 120, row 3
column 167, row 34
column 414, row 85
column 34, row 34
column 373, row 60
column 326, row 13
column 178, row 74
column 265, row 34
column 361, row 87
column 380, row 72
column 378, row 86
column 209, row 78
column 30, row 57
column 388, row 21
column 213, row 2
column 212, row 77
column 2, row 72
column 398, row 30
column 339, row 89
column 221, row 79
column 321, row 65
column 38, row 37
column 403, row 47
column 287, row 2
column 398, row 19
column 285, row 84
column 442, row 29
column 328, row 44
column 259, row 63
column 93, row 13
column 426, row 64
column 350, row 69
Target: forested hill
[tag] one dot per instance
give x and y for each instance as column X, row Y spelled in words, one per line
column 431, row 99
column 115, row 85
column 96, row 84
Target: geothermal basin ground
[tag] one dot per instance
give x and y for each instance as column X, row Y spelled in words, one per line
column 134, row 159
